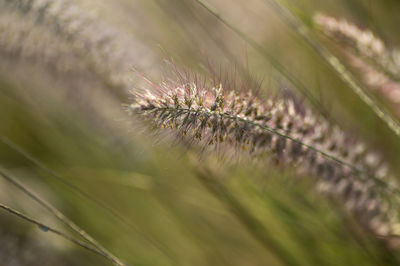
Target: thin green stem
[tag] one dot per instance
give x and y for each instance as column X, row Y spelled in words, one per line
column 113, row 213
column 253, row 225
column 61, row 217
column 47, row 228
column 272, row 61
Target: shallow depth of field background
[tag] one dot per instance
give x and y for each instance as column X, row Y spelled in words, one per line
column 62, row 90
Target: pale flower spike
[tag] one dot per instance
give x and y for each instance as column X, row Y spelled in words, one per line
column 287, row 134
column 379, row 65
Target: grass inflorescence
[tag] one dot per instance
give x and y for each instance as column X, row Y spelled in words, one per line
column 255, row 174
column 378, row 64
column 285, row 131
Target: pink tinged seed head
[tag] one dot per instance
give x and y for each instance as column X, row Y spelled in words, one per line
column 285, row 132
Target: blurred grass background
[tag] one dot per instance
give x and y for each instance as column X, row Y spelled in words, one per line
column 66, row 70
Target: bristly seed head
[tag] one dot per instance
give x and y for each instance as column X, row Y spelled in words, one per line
column 378, row 65
column 284, row 130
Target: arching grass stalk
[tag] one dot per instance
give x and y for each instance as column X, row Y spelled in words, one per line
column 285, row 130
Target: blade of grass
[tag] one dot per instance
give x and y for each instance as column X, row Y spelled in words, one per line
column 113, row 213
column 61, row 217
column 272, row 61
column 254, row 227
column 47, row 228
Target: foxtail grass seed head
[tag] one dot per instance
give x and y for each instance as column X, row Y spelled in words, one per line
column 76, row 41
column 290, row 134
column 378, row 65
column 363, row 40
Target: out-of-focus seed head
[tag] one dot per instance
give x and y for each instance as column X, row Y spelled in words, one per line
column 378, row 65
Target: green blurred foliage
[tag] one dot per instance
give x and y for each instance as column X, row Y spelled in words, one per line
column 164, row 205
